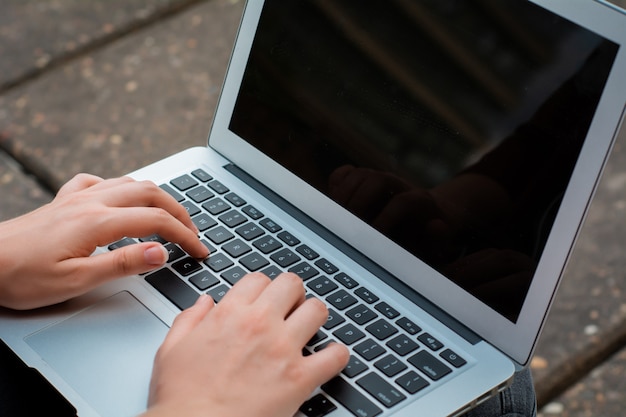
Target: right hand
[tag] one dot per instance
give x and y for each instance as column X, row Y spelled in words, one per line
column 243, row 357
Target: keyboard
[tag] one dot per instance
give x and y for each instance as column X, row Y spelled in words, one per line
column 392, row 357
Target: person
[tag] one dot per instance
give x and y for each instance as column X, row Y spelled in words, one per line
column 249, row 367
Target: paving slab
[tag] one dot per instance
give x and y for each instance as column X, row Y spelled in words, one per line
column 145, row 96
column 38, row 34
column 20, row 192
column 600, row 394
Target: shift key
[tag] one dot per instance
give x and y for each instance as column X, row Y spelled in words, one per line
column 351, row 398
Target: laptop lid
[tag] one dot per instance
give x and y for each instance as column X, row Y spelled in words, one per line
column 456, row 144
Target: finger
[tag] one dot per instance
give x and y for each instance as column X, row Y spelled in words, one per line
column 128, row 260
column 126, row 192
column 111, row 183
column 186, row 321
column 306, row 320
column 284, row 294
column 247, row 290
column 78, row 183
column 325, row 364
column 145, row 221
column 147, row 194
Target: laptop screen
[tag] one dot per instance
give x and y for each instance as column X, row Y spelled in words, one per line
column 452, row 127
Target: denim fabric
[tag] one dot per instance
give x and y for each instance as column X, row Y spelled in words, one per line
column 516, row 401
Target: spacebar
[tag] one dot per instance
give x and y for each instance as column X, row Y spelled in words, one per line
column 350, row 398
column 175, row 290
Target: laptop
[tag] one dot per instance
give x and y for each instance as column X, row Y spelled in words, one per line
column 424, row 166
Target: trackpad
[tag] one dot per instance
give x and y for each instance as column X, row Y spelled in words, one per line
column 105, row 353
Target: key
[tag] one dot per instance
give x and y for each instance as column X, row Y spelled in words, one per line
column 369, row 349
column 184, row 182
column 219, row 235
column 175, row 290
column 267, row 244
column 218, row 262
column 361, row 314
column 430, row 341
column 345, row 280
column 187, row 266
column 381, row 389
column 390, row 365
column 216, row 206
column 322, row 285
column 452, row 358
column 387, row 310
column 285, row 257
column 348, row 334
column 177, row 196
column 254, row 261
column 288, row 238
column 412, row 382
column 307, row 252
column 354, row 367
column 429, row 365
column 341, row 299
column 233, row 275
column 218, row 292
column 232, row 218
column 200, row 194
column 249, row 231
column 318, row 406
column 304, row 271
column 218, row 187
column 402, row 345
column 366, row 295
column 381, row 329
column 334, row 319
column 204, row 280
column 203, row 222
column 408, row 325
column 201, row 175
column 236, row 248
column 350, row 398
column 235, row 200
column 326, row 266
column 121, row 243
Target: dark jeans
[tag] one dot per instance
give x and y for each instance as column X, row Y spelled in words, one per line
column 516, row 401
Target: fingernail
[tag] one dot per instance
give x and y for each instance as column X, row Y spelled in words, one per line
column 204, row 299
column 156, row 255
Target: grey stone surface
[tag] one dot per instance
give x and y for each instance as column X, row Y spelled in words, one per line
column 141, row 98
column 600, row 394
column 35, row 34
column 19, row 192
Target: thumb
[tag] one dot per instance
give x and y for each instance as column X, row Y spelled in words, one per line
column 128, row 260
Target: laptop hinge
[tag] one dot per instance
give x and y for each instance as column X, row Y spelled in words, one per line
column 355, row 255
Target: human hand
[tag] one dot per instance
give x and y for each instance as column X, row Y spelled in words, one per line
column 45, row 257
column 243, row 357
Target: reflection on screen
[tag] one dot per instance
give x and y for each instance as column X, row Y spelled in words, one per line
column 450, row 126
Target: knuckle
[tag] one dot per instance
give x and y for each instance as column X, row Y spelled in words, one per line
column 123, row 261
column 319, row 307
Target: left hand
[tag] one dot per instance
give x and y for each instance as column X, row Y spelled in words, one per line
column 46, row 254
